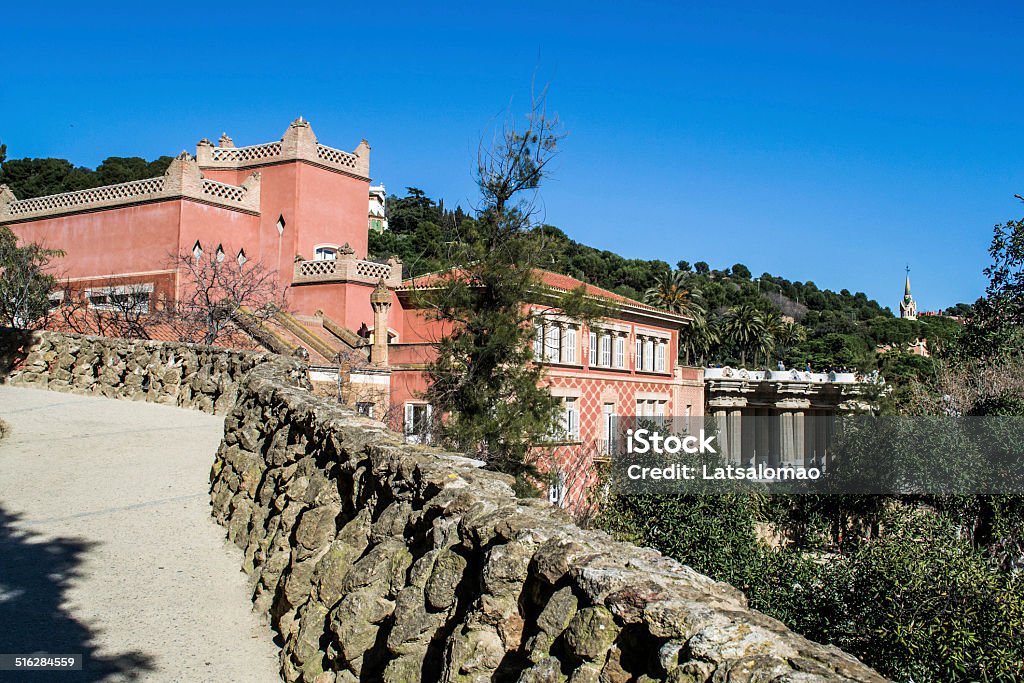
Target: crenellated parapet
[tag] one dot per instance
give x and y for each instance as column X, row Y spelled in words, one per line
column 183, row 179
column 298, row 143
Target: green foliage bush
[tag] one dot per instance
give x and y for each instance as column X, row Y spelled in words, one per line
column 917, row 600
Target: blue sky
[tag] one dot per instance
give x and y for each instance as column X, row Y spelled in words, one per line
column 825, row 144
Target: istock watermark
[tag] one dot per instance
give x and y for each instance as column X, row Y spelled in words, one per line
column 646, row 440
column 797, row 452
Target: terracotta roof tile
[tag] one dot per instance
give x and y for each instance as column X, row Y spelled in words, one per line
column 551, row 279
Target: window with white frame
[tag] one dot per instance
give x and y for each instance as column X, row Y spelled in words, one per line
column 638, row 360
column 570, row 419
column 620, row 351
column 365, row 409
column 417, row 422
column 648, row 355
column 607, row 444
column 122, row 298
column 659, row 357
column 538, row 341
column 325, row 254
column 593, row 348
column 557, row 488
column 651, row 408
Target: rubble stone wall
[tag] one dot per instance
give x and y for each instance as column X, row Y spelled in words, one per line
column 186, row 375
column 382, row 561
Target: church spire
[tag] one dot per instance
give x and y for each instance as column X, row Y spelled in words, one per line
column 908, row 307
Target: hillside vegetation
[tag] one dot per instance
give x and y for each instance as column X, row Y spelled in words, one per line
column 832, row 329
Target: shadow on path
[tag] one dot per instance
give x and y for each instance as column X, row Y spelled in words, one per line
column 35, row 574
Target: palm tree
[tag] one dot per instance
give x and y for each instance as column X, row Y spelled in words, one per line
column 744, row 326
column 767, row 344
column 789, row 334
column 671, row 293
column 698, row 338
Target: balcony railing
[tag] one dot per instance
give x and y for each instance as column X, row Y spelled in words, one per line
column 348, row 269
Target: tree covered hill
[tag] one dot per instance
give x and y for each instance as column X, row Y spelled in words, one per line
column 834, row 329
column 29, row 178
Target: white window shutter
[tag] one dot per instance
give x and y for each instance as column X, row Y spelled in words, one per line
column 606, row 350
column 551, row 347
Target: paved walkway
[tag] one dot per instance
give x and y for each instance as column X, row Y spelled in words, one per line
column 107, row 547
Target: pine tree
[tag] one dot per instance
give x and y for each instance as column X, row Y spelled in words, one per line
column 485, row 384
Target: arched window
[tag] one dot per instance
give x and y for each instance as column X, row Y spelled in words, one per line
column 325, row 254
column 241, row 257
column 220, row 254
column 197, row 251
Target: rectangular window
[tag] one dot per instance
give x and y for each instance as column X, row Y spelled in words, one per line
column 649, row 355
column 659, row 411
column 538, row 342
column 569, row 348
column 571, row 420
column 606, row 350
column 364, row 409
column 120, row 298
column 659, row 357
column 638, row 361
column 417, row 422
column 607, row 443
column 593, row 348
column 620, row 352
column 552, row 344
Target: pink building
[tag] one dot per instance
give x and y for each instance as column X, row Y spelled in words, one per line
column 299, row 208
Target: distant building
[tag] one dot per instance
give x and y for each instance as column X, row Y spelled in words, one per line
column 918, row 347
column 908, row 307
column 378, row 206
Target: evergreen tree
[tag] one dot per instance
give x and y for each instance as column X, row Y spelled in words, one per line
column 25, row 285
column 484, row 381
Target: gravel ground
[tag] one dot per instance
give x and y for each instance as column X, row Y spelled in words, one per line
column 107, row 547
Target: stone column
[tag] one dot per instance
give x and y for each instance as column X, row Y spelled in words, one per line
column 735, row 435
column 788, row 431
column 723, row 430
column 799, row 424
column 380, row 301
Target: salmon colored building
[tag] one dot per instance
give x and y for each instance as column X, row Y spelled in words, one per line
column 300, row 209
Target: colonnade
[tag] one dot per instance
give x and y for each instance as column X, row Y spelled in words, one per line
column 786, row 433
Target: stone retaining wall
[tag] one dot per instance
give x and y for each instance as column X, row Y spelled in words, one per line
column 378, row 560
column 187, row 375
